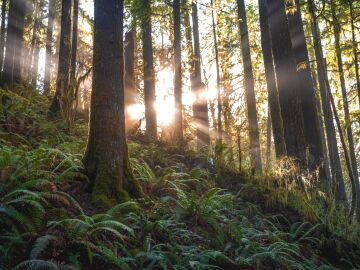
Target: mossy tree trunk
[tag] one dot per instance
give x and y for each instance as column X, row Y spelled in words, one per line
column 106, row 159
column 2, row 32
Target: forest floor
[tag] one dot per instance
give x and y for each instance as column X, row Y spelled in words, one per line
column 198, row 215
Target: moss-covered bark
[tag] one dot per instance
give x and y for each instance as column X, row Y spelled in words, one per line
column 106, row 159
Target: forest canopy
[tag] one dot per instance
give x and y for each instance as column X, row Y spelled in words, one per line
column 179, row 134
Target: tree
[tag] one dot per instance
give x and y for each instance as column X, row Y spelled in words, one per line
column 106, row 158
column 49, row 41
column 255, row 153
column 74, row 42
column 287, row 81
column 178, row 126
column 149, row 73
column 335, row 165
column 62, row 82
column 14, row 42
column 354, row 47
column 307, row 91
column 200, row 106
column 129, row 76
column 2, row 32
column 273, row 96
column 349, row 132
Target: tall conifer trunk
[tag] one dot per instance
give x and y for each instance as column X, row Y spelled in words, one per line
column 14, row 42
column 178, row 125
column 255, row 152
column 149, row 73
column 49, row 42
column 106, row 159
column 287, row 81
column 307, row 91
column 2, row 32
column 200, row 106
column 273, row 96
column 62, row 82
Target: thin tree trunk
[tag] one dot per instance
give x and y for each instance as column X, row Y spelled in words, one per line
column 129, row 77
column 74, row 42
column 35, row 66
column 178, row 126
column 218, row 86
column 268, row 140
column 200, row 107
column 2, row 32
column 255, row 152
column 349, row 133
column 49, row 42
column 106, row 159
column 14, row 43
column 149, row 73
column 308, row 97
column 335, row 165
column 287, row 81
column 273, row 96
column 62, row 82
column 354, row 47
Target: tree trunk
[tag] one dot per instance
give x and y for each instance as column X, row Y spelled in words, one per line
column 178, row 126
column 149, row 73
column 62, row 82
column 14, row 42
column 307, row 92
column 2, row 32
column 335, row 165
column 287, row 81
column 349, row 133
column 200, row 106
column 35, row 66
column 273, row 96
column 129, row 77
column 268, row 140
column 255, row 152
column 219, row 102
column 354, row 47
column 49, row 41
column 74, row 42
column 106, row 159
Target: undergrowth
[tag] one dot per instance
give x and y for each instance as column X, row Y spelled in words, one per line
column 48, row 222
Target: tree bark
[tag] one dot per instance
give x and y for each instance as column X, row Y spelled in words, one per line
column 149, row 73
column 335, row 165
column 349, row 133
column 2, row 32
column 200, row 106
column 218, row 82
column 307, row 91
column 14, row 42
column 106, row 159
column 273, row 96
column 354, row 47
column 74, row 42
column 255, row 152
column 49, row 42
column 129, row 77
column 62, row 82
column 178, row 126
column 287, row 81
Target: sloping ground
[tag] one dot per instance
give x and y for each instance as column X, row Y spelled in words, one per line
column 47, row 220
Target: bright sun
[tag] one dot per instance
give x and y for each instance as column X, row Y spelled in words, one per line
column 165, row 103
